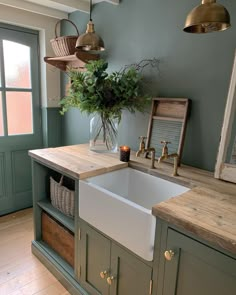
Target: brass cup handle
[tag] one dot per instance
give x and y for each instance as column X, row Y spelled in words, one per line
column 169, row 254
column 110, row 280
column 103, row 274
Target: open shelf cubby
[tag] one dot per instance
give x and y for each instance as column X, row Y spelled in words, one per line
column 65, row 220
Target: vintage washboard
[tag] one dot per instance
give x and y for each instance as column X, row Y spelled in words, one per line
column 168, row 122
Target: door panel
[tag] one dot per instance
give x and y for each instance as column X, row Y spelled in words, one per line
column 197, row 269
column 1, row 117
column 20, row 113
column 95, row 258
column 2, row 176
column 21, row 177
column 132, row 276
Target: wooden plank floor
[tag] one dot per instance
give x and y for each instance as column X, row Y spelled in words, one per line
column 21, row 273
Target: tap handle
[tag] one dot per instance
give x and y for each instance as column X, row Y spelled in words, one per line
column 165, row 142
column 142, row 138
column 142, row 142
column 165, row 148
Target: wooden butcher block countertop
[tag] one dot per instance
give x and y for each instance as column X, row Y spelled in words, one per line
column 77, row 160
column 208, row 214
column 208, row 209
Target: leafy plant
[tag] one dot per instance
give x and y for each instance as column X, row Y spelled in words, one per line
column 97, row 91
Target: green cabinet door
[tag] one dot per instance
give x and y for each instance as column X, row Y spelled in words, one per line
column 131, row 275
column 196, row 269
column 95, row 259
column 126, row 274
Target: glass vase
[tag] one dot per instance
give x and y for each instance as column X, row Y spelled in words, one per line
column 103, row 134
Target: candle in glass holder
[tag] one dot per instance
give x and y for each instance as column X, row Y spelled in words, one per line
column 124, row 153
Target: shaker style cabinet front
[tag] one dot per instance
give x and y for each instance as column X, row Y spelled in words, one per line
column 108, row 269
column 190, row 267
column 131, row 275
column 95, row 261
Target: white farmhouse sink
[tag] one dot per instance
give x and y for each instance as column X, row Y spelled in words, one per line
column 119, row 204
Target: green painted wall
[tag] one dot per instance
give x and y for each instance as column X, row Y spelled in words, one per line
column 52, row 126
column 193, row 66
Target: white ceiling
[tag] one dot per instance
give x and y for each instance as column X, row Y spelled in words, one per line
column 54, row 8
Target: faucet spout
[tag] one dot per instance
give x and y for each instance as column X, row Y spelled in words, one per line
column 138, row 153
column 166, row 156
column 161, row 158
column 153, row 152
column 144, row 151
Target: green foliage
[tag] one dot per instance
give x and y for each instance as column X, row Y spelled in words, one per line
column 96, row 91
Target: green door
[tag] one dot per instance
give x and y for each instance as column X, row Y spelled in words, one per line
column 130, row 274
column 20, row 122
column 95, row 259
column 197, row 269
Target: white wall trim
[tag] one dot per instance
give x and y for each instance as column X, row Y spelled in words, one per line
column 116, row 2
column 74, row 4
column 53, row 8
column 35, row 8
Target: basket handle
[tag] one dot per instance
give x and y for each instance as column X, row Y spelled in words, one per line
column 67, row 21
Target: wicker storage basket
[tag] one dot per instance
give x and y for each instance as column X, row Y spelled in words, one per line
column 61, row 197
column 64, row 45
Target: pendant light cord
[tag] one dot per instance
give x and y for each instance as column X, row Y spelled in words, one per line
column 90, row 11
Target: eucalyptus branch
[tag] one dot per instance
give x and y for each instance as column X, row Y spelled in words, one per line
column 140, row 66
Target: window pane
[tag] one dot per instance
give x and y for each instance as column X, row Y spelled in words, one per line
column 19, row 113
column 17, row 64
column 1, row 117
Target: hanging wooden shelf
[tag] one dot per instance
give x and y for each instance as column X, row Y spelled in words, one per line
column 77, row 60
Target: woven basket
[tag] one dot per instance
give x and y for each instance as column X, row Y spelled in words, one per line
column 61, row 197
column 64, row 45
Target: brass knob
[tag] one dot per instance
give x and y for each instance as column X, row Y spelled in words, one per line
column 110, row 279
column 169, row 255
column 103, row 274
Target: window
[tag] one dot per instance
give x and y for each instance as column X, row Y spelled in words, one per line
column 16, row 116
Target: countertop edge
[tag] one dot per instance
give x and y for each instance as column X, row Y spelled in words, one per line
column 93, row 171
column 200, row 231
column 204, row 212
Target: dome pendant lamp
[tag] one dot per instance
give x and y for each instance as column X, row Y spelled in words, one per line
column 90, row 41
column 207, row 17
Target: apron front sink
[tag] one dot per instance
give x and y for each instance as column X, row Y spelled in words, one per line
column 119, row 204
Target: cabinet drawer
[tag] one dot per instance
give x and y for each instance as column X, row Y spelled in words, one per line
column 59, row 238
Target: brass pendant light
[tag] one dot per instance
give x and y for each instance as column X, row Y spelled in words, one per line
column 90, row 41
column 207, row 17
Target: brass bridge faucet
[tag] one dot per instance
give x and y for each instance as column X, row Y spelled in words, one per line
column 144, row 151
column 165, row 155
